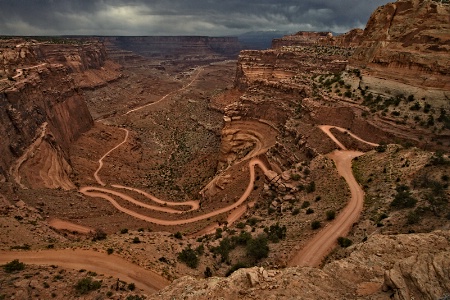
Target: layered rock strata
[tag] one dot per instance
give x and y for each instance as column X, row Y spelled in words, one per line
column 44, row 110
column 405, row 50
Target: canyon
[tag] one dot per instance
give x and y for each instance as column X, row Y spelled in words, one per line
column 330, row 151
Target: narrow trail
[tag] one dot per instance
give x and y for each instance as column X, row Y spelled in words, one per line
column 100, row 263
column 200, row 69
column 100, row 161
column 323, row 242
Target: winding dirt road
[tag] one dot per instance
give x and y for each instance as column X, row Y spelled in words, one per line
column 101, row 263
column 322, row 243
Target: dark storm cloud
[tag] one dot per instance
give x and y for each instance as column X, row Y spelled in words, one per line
column 179, row 17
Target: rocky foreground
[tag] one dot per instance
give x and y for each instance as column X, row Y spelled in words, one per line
column 410, row 266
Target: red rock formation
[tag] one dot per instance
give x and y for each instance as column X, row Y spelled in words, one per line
column 409, row 42
column 301, row 38
column 43, row 109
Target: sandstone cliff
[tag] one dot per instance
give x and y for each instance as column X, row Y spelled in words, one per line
column 44, row 110
column 405, row 49
column 414, row 266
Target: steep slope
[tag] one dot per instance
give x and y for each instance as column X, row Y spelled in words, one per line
column 44, row 110
column 405, row 50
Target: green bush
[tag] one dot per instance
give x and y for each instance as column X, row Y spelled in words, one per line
column 403, row 198
column 178, row 235
column 99, row 235
column 258, row 248
column 13, row 266
column 295, row 176
column 315, row 225
column 344, row 242
column 189, row 257
column 86, row 285
column 275, row 233
column 124, row 230
column 110, row 250
column 306, row 204
column 331, row 214
column 136, row 240
column 131, row 286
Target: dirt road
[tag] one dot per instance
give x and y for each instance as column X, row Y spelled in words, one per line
column 322, row 243
column 103, row 193
column 199, row 70
column 100, row 263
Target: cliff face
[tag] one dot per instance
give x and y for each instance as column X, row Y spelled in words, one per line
column 43, row 110
column 409, row 41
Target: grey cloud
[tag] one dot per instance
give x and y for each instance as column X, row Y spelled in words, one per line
column 177, row 17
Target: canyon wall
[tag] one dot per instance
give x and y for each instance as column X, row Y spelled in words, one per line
column 405, row 50
column 189, row 47
column 43, row 109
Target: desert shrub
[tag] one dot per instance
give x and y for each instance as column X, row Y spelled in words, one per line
column 131, row 286
column 315, row 225
column 178, row 235
column 86, row 285
column 258, row 248
column 311, row 187
column 13, row 266
column 189, row 257
column 309, row 211
column 136, row 240
column 412, row 218
column 240, row 225
column 242, row 238
column 252, row 221
column 381, row 148
column 306, row 204
column 331, row 214
column 99, row 235
column 124, row 230
column 403, row 198
column 344, row 242
column 295, row 176
column 110, row 250
column 296, row 211
column 224, row 248
column 275, row 233
column 208, row 272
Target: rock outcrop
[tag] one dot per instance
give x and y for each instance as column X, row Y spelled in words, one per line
column 405, row 50
column 414, row 266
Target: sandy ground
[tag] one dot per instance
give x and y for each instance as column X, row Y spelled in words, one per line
column 101, row 263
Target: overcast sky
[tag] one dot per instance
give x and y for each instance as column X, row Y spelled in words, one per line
column 180, row 17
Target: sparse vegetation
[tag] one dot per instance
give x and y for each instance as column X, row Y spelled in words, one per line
column 14, row 266
column 189, row 257
column 315, row 225
column 86, row 285
column 344, row 242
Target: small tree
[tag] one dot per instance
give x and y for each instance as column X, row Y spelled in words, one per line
column 189, row 257
column 331, row 214
column 258, row 248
